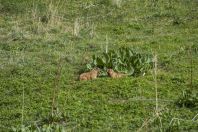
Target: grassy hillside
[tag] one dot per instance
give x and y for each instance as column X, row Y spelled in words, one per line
column 45, row 45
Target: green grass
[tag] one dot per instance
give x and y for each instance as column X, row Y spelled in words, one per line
column 35, row 35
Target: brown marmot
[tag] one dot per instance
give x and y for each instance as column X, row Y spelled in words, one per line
column 90, row 75
column 113, row 74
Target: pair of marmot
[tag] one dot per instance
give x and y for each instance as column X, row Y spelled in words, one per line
column 94, row 73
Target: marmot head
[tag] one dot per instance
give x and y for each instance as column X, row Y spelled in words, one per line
column 110, row 71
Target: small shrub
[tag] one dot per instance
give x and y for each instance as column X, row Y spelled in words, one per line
column 188, row 99
column 123, row 60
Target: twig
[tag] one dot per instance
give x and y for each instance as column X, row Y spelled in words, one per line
column 191, row 68
column 146, row 122
column 179, row 119
column 155, row 116
column 193, row 119
column 107, row 43
column 155, row 79
column 56, row 82
column 22, row 111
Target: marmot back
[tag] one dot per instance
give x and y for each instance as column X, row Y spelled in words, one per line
column 89, row 75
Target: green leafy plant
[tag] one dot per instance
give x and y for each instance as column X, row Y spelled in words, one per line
column 188, row 99
column 123, row 60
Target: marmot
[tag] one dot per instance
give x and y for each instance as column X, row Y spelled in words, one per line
column 90, row 75
column 113, row 74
